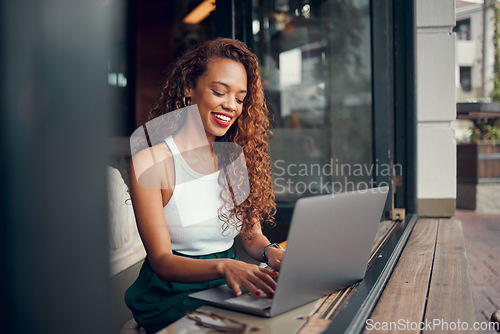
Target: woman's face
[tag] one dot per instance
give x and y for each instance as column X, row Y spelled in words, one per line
column 219, row 94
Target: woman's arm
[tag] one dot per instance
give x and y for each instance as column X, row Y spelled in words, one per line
column 148, row 209
column 255, row 245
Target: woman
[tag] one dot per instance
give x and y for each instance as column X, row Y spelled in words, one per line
column 220, row 79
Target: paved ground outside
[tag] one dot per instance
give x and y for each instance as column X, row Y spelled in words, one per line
column 482, row 242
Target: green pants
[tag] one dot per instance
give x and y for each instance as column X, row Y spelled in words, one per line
column 156, row 303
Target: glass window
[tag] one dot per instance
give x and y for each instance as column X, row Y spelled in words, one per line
column 465, row 78
column 462, row 29
column 316, row 67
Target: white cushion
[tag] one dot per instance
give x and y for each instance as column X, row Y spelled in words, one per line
column 126, row 247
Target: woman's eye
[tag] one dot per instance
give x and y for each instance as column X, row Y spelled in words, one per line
column 216, row 93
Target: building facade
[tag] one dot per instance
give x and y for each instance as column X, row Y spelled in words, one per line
column 474, row 50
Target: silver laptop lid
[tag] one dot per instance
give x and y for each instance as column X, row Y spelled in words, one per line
column 329, row 244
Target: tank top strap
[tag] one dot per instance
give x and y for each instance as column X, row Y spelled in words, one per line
column 179, row 163
column 177, row 157
column 172, row 146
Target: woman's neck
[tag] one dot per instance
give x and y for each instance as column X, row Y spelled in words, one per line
column 192, row 135
column 197, row 150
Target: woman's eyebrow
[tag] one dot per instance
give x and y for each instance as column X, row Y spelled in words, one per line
column 227, row 86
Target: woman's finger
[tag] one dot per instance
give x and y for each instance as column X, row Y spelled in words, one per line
column 257, row 282
column 235, row 287
column 268, row 281
column 252, row 287
column 269, row 291
column 270, row 272
column 265, row 282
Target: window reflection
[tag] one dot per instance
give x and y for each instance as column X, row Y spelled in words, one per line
column 316, row 68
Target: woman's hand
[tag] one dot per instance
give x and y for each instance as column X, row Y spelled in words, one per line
column 240, row 274
column 274, row 256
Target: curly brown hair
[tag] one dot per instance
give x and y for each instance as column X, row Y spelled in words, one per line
column 250, row 130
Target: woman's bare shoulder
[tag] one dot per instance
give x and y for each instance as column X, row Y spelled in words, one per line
column 152, row 162
column 151, row 156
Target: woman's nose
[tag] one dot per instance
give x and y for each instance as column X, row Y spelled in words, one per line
column 229, row 104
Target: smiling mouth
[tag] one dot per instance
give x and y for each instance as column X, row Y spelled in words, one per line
column 221, row 119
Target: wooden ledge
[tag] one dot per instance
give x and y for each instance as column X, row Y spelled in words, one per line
column 430, row 283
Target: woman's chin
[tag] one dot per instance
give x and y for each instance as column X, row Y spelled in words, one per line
column 215, row 134
column 220, row 132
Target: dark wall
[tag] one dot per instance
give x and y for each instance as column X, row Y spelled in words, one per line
column 154, row 50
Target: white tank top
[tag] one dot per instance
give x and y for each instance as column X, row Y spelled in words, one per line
column 192, row 212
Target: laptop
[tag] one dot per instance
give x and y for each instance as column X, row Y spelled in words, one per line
column 329, row 245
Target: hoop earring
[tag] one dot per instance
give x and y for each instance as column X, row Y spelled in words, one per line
column 186, row 100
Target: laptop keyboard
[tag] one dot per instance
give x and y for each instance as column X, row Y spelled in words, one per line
column 249, row 300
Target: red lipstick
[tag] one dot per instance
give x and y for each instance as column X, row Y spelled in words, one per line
column 222, row 119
